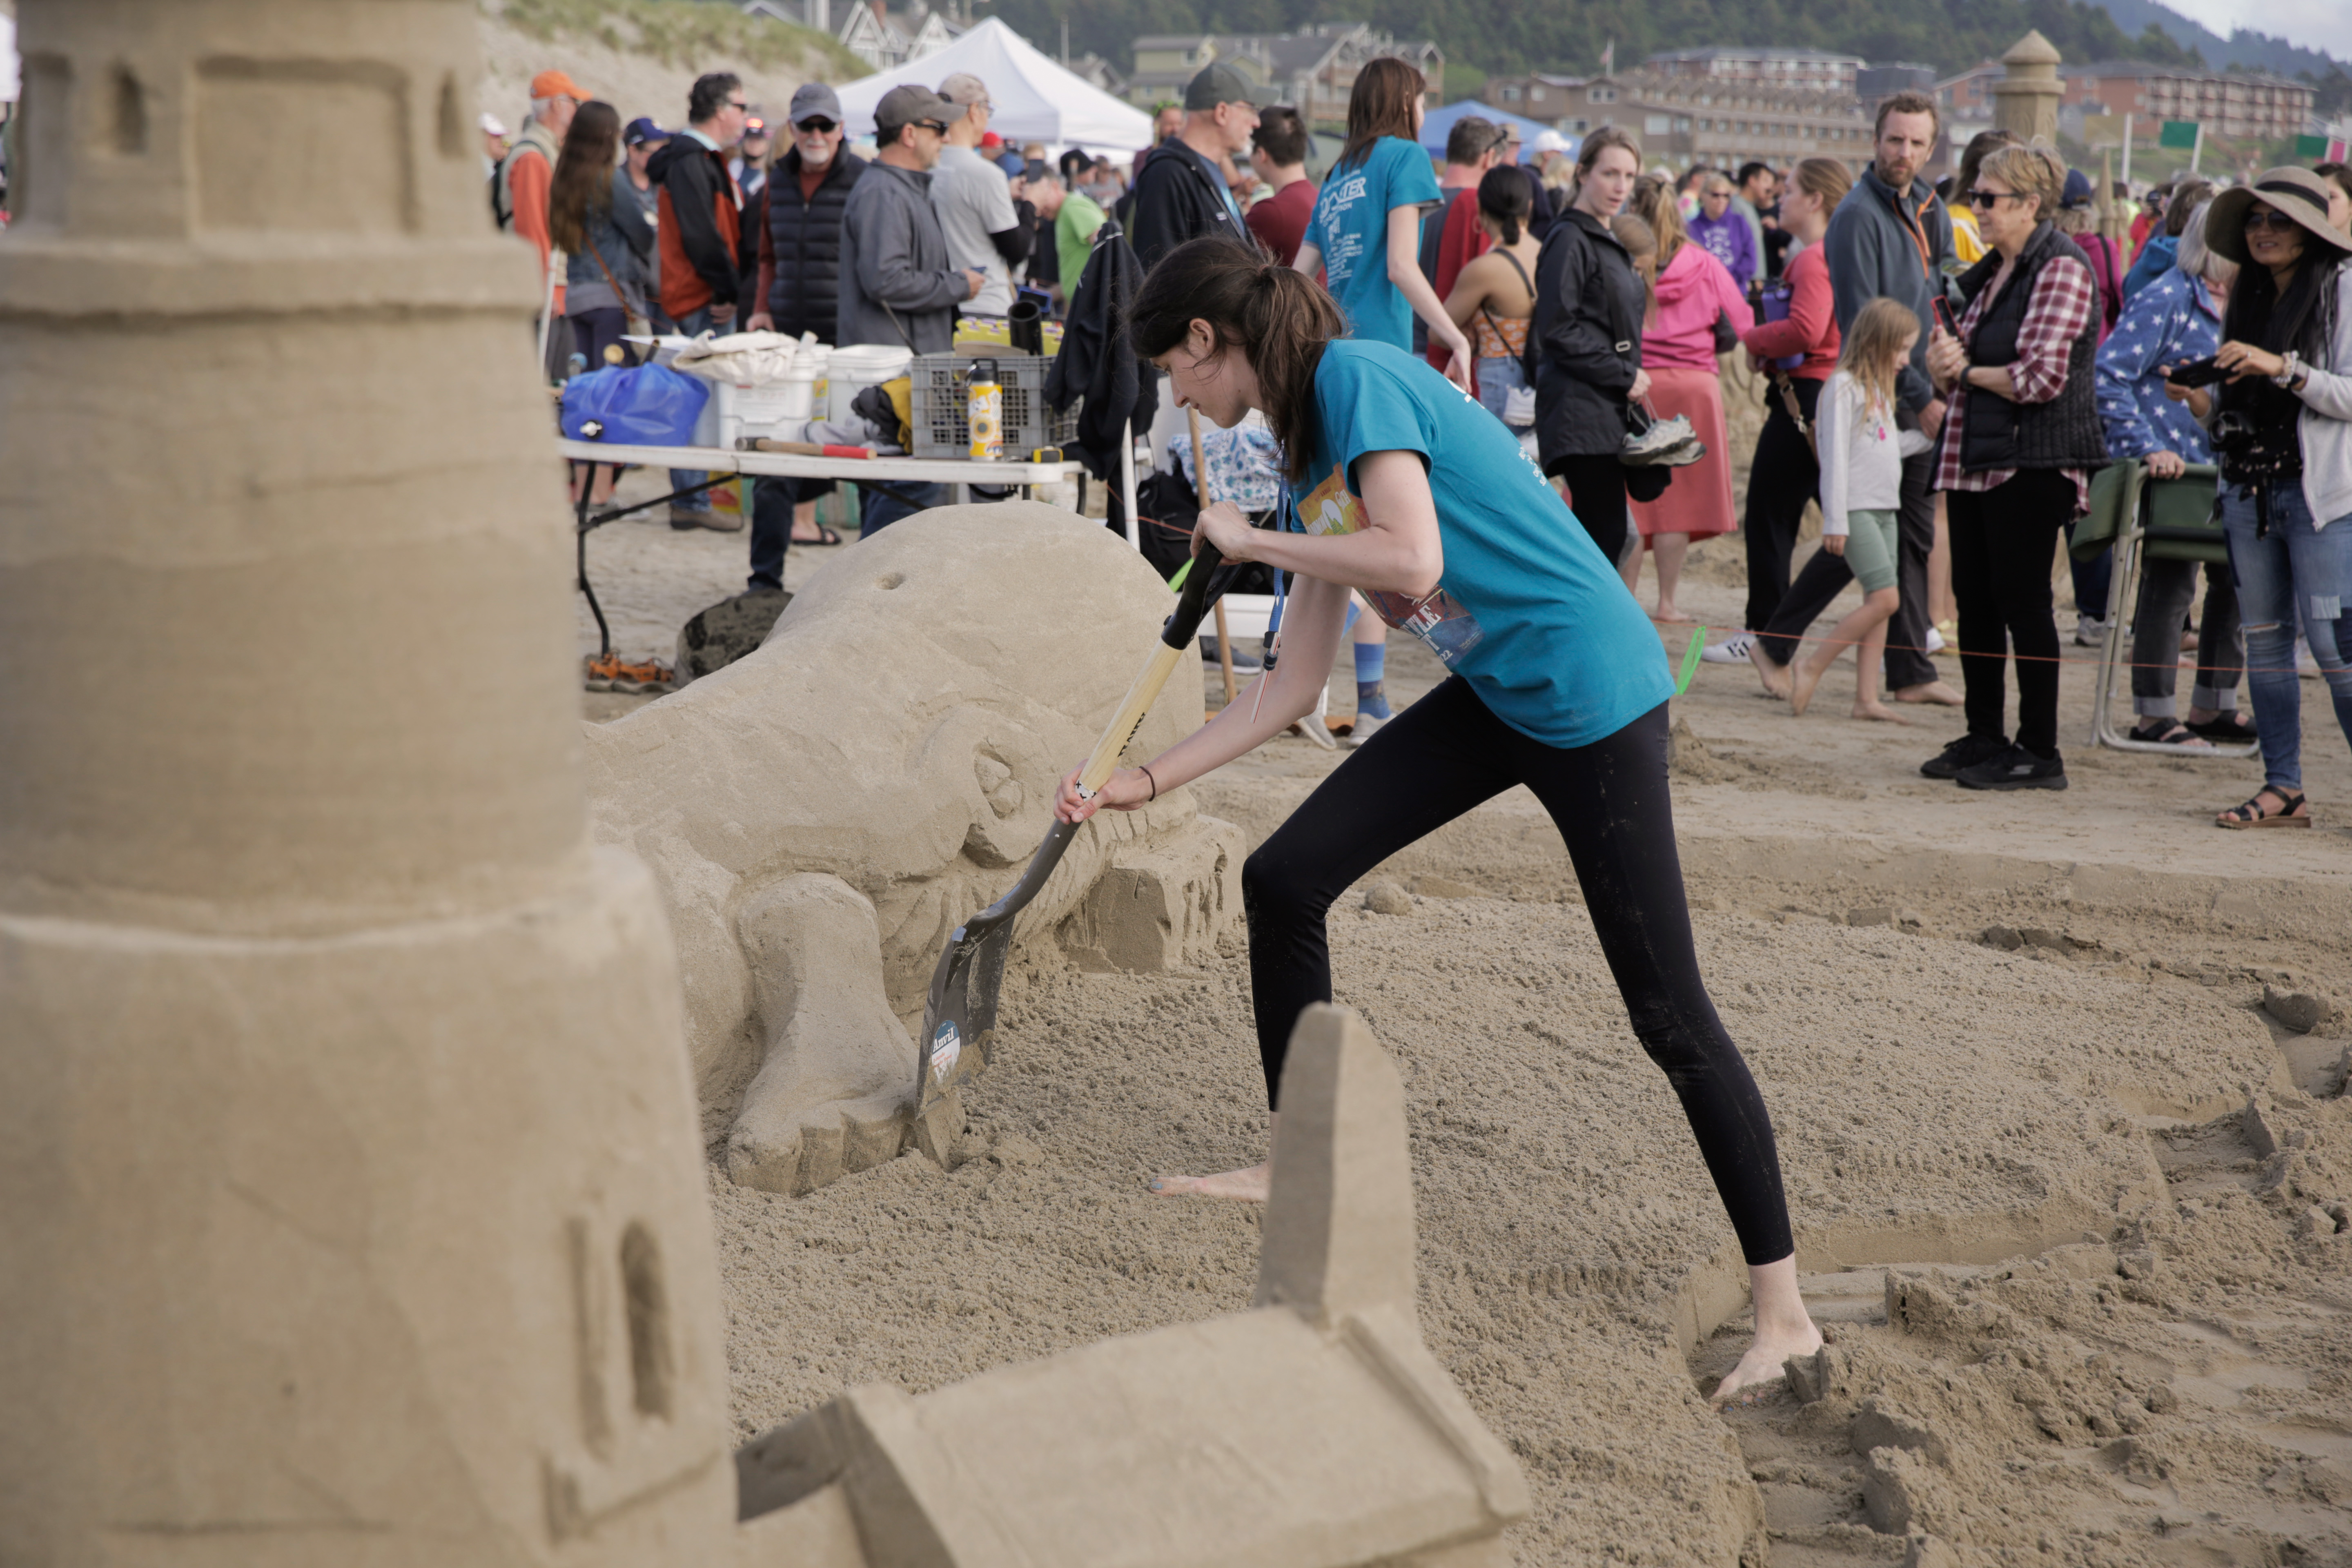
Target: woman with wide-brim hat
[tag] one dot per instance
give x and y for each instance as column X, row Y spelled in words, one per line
column 2282, row 429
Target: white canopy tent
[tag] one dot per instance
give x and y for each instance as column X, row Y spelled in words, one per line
column 1035, row 99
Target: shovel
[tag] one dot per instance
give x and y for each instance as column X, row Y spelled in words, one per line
column 961, row 1015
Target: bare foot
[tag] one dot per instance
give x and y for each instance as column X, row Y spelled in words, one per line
column 1934, row 692
column 1250, row 1186
column 1880, row 712
column 1803, row 679
column 1763, row 1365
column 1669, row 614
column 1774, row 675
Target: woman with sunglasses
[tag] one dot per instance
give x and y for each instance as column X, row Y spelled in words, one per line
column 2283, row 426
column 2020, row 437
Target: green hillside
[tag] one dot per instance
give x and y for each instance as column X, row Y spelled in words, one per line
column 1568, row 35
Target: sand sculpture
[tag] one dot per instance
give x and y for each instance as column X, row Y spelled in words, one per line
column 821, row 813
column 350, row 1199
column 1315, row 1429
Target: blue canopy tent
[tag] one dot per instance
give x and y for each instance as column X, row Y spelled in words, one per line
column 1440, row 121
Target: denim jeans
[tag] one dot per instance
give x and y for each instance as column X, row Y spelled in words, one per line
column 693, row 324
column 2295, row 569
column 877, row 512
column 2166, row 591
column 1499, row 377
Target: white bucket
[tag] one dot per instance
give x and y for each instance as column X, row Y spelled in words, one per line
column 850, row 370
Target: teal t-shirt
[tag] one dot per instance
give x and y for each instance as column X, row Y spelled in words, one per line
column 1527, row 609
column 1352, row 229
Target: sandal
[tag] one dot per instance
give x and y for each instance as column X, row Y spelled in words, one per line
column 2294, row 811
column 823, row 536
column 2170, row 732
column 2230, row 726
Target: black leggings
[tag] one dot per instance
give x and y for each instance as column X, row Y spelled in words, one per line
column 1596, row 494
column 1436, row 761
column 2002, row 542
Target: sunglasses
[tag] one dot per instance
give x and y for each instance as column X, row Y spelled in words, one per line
column 2270, row 219
column 933, row 126
column 819, row 125
column 1991, row 198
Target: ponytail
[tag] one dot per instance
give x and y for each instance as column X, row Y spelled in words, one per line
column 1505, row 196
column 1275, row 315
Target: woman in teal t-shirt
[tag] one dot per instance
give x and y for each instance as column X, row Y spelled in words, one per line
column 1410, row 492
column 1365, row 233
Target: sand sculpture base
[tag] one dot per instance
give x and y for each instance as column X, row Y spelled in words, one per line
column 822, row 814
column 1316, row 1429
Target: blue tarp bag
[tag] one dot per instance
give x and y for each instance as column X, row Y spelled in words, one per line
column 639, row 405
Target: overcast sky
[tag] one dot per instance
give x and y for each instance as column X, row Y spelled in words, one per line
column 2314, row 24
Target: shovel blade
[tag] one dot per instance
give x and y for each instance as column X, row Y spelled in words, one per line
column 960, row 1015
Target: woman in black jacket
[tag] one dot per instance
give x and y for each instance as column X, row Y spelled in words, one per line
column 1588, row 339
column 2020, row 442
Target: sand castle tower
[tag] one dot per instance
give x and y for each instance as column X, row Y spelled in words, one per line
column 2025, row 98
column 351, row 1197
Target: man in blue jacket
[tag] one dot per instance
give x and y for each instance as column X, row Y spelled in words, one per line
column 1890, row 236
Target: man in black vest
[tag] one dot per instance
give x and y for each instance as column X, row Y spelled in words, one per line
column 799, row 291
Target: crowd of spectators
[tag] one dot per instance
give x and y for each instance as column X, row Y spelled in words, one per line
column 1586, row 302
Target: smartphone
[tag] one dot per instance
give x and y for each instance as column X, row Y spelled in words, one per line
column 1943, row 316
column 2197, row 372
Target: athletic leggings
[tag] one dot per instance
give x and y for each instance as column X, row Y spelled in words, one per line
column 1436, row 761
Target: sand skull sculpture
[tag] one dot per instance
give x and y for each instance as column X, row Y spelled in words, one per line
column 821, row 813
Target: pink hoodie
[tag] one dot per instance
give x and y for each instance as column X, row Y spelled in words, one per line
column 1693, row 290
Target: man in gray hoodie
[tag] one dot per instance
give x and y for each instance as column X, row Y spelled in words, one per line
column 896, row 284
column 1889, row 237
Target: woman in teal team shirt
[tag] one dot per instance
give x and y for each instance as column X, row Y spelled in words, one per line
column 1366, row 231
column 1415, row 496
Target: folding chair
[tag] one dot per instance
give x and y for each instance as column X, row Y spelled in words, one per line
column 2150, row 520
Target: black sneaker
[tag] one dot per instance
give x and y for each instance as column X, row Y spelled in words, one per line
column 2016, row 768
column 1965, row 752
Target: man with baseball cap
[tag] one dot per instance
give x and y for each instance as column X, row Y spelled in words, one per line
column 974, row 201
column 519, row 190
column 799, row 291
column 1181, row 193
column 697, row 232
column 898, row 285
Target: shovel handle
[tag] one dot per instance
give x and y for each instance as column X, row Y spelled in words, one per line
column 1183, row 626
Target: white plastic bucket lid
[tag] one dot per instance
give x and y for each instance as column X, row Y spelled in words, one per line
column 870, row 359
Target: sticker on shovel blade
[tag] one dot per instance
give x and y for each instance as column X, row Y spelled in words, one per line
column 947, row 1045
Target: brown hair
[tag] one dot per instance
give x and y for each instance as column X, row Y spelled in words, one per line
column 2180, row 208
column 1275, row 315
column 1380, row 104
column 1599, row 142
column 584, row 175
column 1871, row 352
column 2030, row 171
column 1281, row 135
column 1907, row 102
column 1640, row 242
column 1653, row 202
column 1981, row 145
column 1826, row 179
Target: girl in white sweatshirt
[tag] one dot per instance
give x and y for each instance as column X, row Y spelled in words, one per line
column 1862, row 491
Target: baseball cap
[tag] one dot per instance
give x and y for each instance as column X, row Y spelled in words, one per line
column 493, row 124
column 755, row 125
column 991, row 140
column 965, row 89
column 641, row 130
column 555, row 84
column 814, row 100
column 1016, row 167
column 907, row 103
column 1216, row 83
column 1548, row 141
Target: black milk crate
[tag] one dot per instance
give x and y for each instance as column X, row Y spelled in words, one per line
column 937, row 406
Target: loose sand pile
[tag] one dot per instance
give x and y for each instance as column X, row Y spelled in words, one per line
column 2073, row 1203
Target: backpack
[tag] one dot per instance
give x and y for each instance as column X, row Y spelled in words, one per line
column 502, row 186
